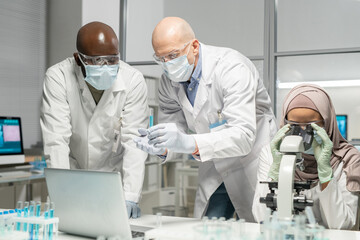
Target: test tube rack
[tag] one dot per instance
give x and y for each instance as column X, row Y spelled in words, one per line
column 28, row 228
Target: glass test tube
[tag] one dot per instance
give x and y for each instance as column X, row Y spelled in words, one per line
column 26, row 214
column 151, row 118
column 19, row 206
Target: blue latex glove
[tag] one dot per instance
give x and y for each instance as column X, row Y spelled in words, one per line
column 167, row 135
column 143, row 144
column 133, row 209
column 322, row 154
column 275, row 151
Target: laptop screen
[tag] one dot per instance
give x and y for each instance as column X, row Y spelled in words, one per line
column 89, row 203
column 10, row 136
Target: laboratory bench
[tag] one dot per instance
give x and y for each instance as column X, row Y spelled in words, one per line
column 179, row 228
column 21, row 185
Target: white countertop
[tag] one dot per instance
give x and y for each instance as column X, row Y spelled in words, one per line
column 183, row 228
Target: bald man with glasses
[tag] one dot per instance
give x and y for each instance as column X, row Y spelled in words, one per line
column 213, row 105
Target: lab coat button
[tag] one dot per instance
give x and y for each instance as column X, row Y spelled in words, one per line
column 225, row 174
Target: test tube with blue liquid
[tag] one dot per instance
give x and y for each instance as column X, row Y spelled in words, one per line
column 46, row 216
column 19, row 206
column 43, row 161
column 37, row 214
column 151, row 118
column 31, row 214
column 51, row 215
column 26, row 214
column 2, row 224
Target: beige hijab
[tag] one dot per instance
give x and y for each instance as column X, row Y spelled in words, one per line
column 342, row 150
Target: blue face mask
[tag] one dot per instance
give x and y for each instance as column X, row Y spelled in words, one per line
column 100, row 77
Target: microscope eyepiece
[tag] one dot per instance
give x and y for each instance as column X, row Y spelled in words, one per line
column 306, row 132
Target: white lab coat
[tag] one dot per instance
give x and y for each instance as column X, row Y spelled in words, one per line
column 79, row 134
column 229, row 153
column 334, row 207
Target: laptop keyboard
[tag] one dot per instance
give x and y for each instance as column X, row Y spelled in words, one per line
column 14, row 174
column 137, row 235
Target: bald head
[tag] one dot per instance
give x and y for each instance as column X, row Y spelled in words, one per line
column 96, row 39
column 171, row 32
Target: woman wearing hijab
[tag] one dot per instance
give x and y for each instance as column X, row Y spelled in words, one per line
column 332, row 162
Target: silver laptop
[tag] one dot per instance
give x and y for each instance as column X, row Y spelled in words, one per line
column 89, row 203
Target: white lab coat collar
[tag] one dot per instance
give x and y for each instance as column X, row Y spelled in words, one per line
column 120, row 84
column 208, row 64
column 209, row 61
column 85, row 92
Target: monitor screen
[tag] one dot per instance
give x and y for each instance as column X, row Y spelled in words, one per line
column 11, row 142
column 342, row 124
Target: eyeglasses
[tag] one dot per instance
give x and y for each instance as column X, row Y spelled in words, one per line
column 302, row 125
column 170, row 56
column 99, row 60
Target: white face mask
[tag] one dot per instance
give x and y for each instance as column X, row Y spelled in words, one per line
column 100, row 77
column 178, row 69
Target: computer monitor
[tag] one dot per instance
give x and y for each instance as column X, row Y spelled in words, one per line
column 342, row 124
column 11, row 141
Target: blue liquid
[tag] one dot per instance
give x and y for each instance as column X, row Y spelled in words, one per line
column 151, row 123
column 18, row 225
column 31, row 226
column 38, row 209
column 51, row 226
column 26, row 212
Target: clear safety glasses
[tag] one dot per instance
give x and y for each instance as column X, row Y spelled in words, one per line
column 170, row 56
column 303, row 125
column 99, row 60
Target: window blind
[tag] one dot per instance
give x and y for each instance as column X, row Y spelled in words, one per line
column 22, row 63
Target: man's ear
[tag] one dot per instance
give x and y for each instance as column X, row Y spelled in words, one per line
column 79, row 63
column 76, row 57
column 196, row 46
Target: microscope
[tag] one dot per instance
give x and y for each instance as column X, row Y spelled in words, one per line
column 288, row 200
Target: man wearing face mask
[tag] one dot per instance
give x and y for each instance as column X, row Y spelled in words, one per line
column 213, row 105
column 92, row 106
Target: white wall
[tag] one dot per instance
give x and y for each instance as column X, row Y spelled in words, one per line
column 106, row 11
column 143, row 15
column 319, row 24
column 217, row 23
column 237, row 24
column 66, row 17
column 64, row 21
